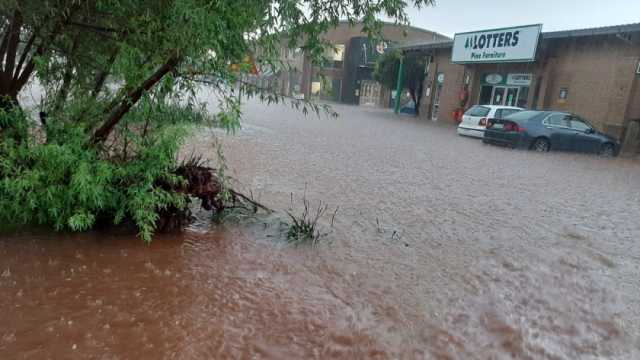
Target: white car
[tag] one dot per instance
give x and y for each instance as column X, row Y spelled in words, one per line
column 474, row 120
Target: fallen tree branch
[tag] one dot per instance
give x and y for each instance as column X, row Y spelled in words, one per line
column 201, row 182
column 249, row 200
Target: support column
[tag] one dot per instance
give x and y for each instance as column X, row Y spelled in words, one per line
column 396, row 108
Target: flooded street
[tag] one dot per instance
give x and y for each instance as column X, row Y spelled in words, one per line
column 442, row 248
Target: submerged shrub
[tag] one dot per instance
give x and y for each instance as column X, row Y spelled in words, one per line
column 305, row 228
column 71, row 186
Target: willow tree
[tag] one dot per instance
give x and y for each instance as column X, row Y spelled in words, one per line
column 119, row 80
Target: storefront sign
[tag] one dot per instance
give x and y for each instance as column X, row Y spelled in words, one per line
column 493, row 79
column 519, row 79
column 517, row 44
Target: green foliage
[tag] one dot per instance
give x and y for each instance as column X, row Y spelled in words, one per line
column 69, row 186
column 386, row 71
column 13, row 124
column 305, row 228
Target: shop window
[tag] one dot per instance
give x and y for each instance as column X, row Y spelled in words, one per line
column 335, row 56
column 485, row 95
column 523, row 97
column 315, row 88
column 563, row 95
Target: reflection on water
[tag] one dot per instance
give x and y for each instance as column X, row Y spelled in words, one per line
column 442, row 248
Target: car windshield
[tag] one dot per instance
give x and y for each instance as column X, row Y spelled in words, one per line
column 580, row 124
column 478, row 111
column 508, row 112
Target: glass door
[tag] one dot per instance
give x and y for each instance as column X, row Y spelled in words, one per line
column 511, row 99
column 498, row 95
column 507, row 96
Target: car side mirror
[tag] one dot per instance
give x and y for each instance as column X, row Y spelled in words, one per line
column 589, row 131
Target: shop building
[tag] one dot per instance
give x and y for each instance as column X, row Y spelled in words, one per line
column 594, row 73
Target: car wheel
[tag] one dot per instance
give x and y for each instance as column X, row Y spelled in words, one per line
column 608, row 150
column 541, row 145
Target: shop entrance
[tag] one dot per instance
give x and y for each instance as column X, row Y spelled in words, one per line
column 505, row 90
column 505, row 95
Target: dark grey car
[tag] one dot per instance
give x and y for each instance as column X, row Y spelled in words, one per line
column 549, row 130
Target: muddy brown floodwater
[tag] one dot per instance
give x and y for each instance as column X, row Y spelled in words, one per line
column 443, row 248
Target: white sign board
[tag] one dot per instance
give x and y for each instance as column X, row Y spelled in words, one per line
column 519, row 79
column 493, row 79
column 516, row 44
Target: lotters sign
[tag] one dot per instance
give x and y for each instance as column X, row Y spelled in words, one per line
column 516, row 44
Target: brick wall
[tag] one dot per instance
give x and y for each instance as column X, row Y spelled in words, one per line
column 451, row 87
column 633, row 110
column 598, row 73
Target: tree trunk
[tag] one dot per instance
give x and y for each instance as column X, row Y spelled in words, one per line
column 101, row 76
column 63, row 93
column 13, row 39
column 131, row 99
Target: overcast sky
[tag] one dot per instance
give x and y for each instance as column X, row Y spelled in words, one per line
column 451, row 16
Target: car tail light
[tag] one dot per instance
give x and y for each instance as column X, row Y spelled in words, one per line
column 510, row 126
column 483, row 122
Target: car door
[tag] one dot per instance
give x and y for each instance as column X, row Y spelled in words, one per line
column 559, row 131
column 585, row 138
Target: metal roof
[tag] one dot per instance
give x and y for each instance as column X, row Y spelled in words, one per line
column 605, row 30
column 598, row 31
column 425, row 45
column 426, row 31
